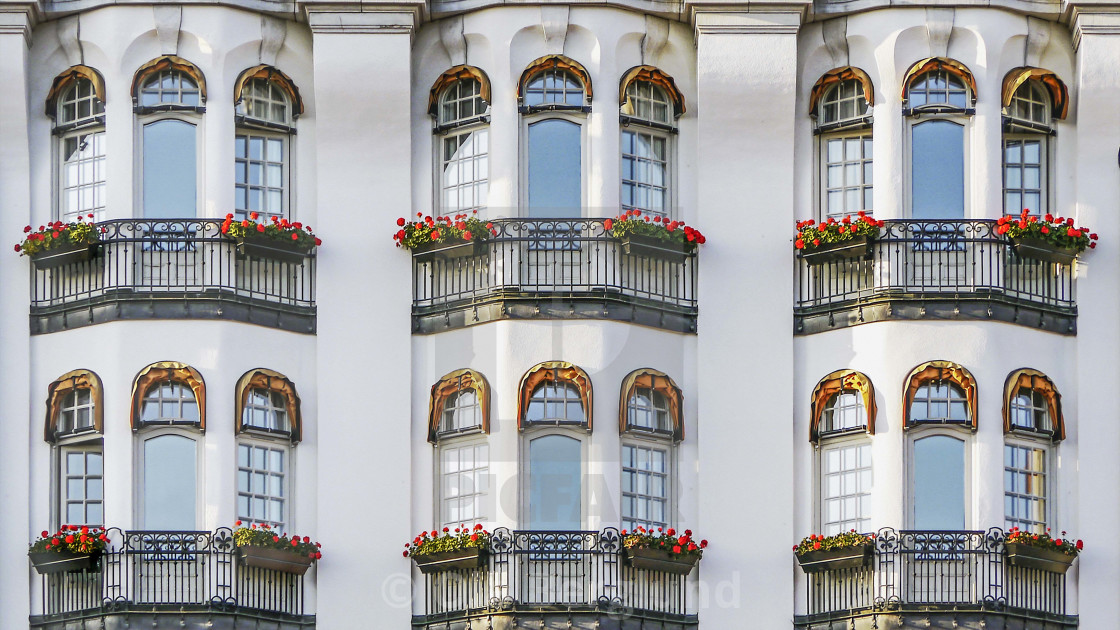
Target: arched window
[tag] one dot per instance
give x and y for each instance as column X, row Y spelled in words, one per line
column 554, row 82
column 460, row 102
column 1032, row 99
column 73, row 405
column 938, row 85
column 843, row 414
column 74, row 426
column 552, row 93
column 651, row 423
column 649, row 105
column 168, row 394
column 458, row 423
column 268, row 403
column 460, row 403
column 267, row 104
column 555, row 393
column 841, row 104
column 842, row 402
column 169, row 89
column 76, row 103
column 1033, row 405
column 268, row 408
column 1032, row 421
column 651, row 404
column 940, row 392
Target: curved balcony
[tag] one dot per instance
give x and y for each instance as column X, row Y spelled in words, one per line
column 553, row 269
column 935, row 270
column 554, row 579
column 172, row 269
column 172, row 580
column 959, row 579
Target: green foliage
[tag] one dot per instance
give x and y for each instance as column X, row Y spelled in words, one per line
column 846, row 540
column 669, row 541
column 427, row 543
column 58, row 234
column 461, row 228
column 1057, row 231
column 295, row 235
column 264, row 536
column 671, row 232
column 1044, row 541
column 811, row 235
column 72, row 538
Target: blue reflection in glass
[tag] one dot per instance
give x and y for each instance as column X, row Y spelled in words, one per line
column 938, row 170
column 169, row 483
column 555, row 483
column 169, row 170
column 555, row 175
column 938, row 483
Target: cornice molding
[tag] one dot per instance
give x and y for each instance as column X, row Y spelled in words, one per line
column 18, row 18
column 753, row 18
column 1092, row 18
column 360, row 18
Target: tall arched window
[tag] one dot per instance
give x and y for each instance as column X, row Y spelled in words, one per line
column 651, row 424
column 76, row 103
column 843, row 416
column 1032, row 100
column 460, row 103
column 649, row 107
column 73, row 427
column 553, row 93
column 1033, row 424
column 841, row 103
column 267, row 105
column 458, row 424
column 269, row 424
column 555, row 393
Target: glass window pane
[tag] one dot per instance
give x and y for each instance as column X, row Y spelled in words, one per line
column 555, row 171
column 169, row 169
column 939, row 484
column 555, row 483
column 169, row 483
column 937, row 177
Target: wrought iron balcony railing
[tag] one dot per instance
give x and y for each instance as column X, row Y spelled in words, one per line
column 559, row 572
column 937, row 570
column 935, row 270
column 553, row 269
column 183, row 572
column 172, row 269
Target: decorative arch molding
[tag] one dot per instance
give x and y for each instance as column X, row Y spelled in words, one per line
column 833, row 384
column 1039, row 382
column 558, row 371
column 452, row 384
column 67, row 78
column 657, row 381
column 458, row 73
column 940, row 371
column 657, row 77
column 559, row 62
column 1059, row 95
column 951, row 66
column 272, row 75
column 61, row 387
column 273, row 381
column 168, row 62
column 167, row 371
column 836, row 76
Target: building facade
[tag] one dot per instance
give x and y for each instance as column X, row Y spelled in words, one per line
column 557, row 382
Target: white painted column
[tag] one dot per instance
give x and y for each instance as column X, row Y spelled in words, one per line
column 16, row 576
column 362, row 62
column 746, row 84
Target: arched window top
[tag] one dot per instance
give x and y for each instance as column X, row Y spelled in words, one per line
column 1032, row 404
column 842, row 402
column 651, row 403
column 554, row 393
column 266, row 94
column 554, row 82
column 460, row 403
column 1052, row 88
column 77, row 95
column 168, row 83
column 268, row 401
column 177, row 385
column 648, row 94
column 939, row 84
column 840, row 95
column 940, row 392
column 74, row 405
column 460, row 94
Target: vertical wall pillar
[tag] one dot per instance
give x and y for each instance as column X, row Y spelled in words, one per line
column 746, row 89
column 362, row 62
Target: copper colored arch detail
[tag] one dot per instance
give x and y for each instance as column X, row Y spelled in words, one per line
column 658, row 381
column 458, row 73
column 951, row 66
column 167, row 371
column 61, row 387
column 657, row 77
column 169, row 62
column 833, row 384
column 940, row 371
column 273, row 381
column 559, row 62
column 67, row 78
column 272, row 75
column 454, row 383
column 1039, row 382
column 559, row 371
column 1059, row 95
column 839, row 75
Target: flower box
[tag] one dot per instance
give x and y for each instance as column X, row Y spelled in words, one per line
column 428, row 252
column 1031, row 557
column 661, row 560
column 271, row 249
column 858, row 247
column 651, row 247
column 835, row 559
column 275, row 559
column 67, row 254
column 1039, row 249
column 471, row 558
column 58, row 561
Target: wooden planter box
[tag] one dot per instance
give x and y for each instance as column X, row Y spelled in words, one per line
column 1021, row 555
column 271, row 249
column 1038, row 249
column 448, row 251
column 65, row 255
column 451, row 560
column 858, row 247
column 58, row 561
column 275, row 559
column 650, row 247
column 835, row 559
column 660, row 560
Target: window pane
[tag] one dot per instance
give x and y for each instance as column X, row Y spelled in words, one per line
column 939, row 483
column 169, row 169
column 937, row 178
column 555, row 483
column 555, row 171
column 169, row 483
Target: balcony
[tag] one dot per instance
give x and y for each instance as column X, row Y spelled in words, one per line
column 935, row 270
column 553, row 269
column 942, row 579
column 172, row 580
column 574, row 579
column 172, row 269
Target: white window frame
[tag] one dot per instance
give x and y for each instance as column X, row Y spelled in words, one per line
column 864, row 134
column 249, row 407
column 918, row 432
column 1049, row 485
column 484, row 502
column 525, row 474
column 60, row 494
column 530, row 118
column 637, row 126
column 197, row 120
column 287, row 522
column 1044, row 168
column 200, row 471
column 481, row 123
column 839, row 442
column 652, row 442
column 249, row 132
